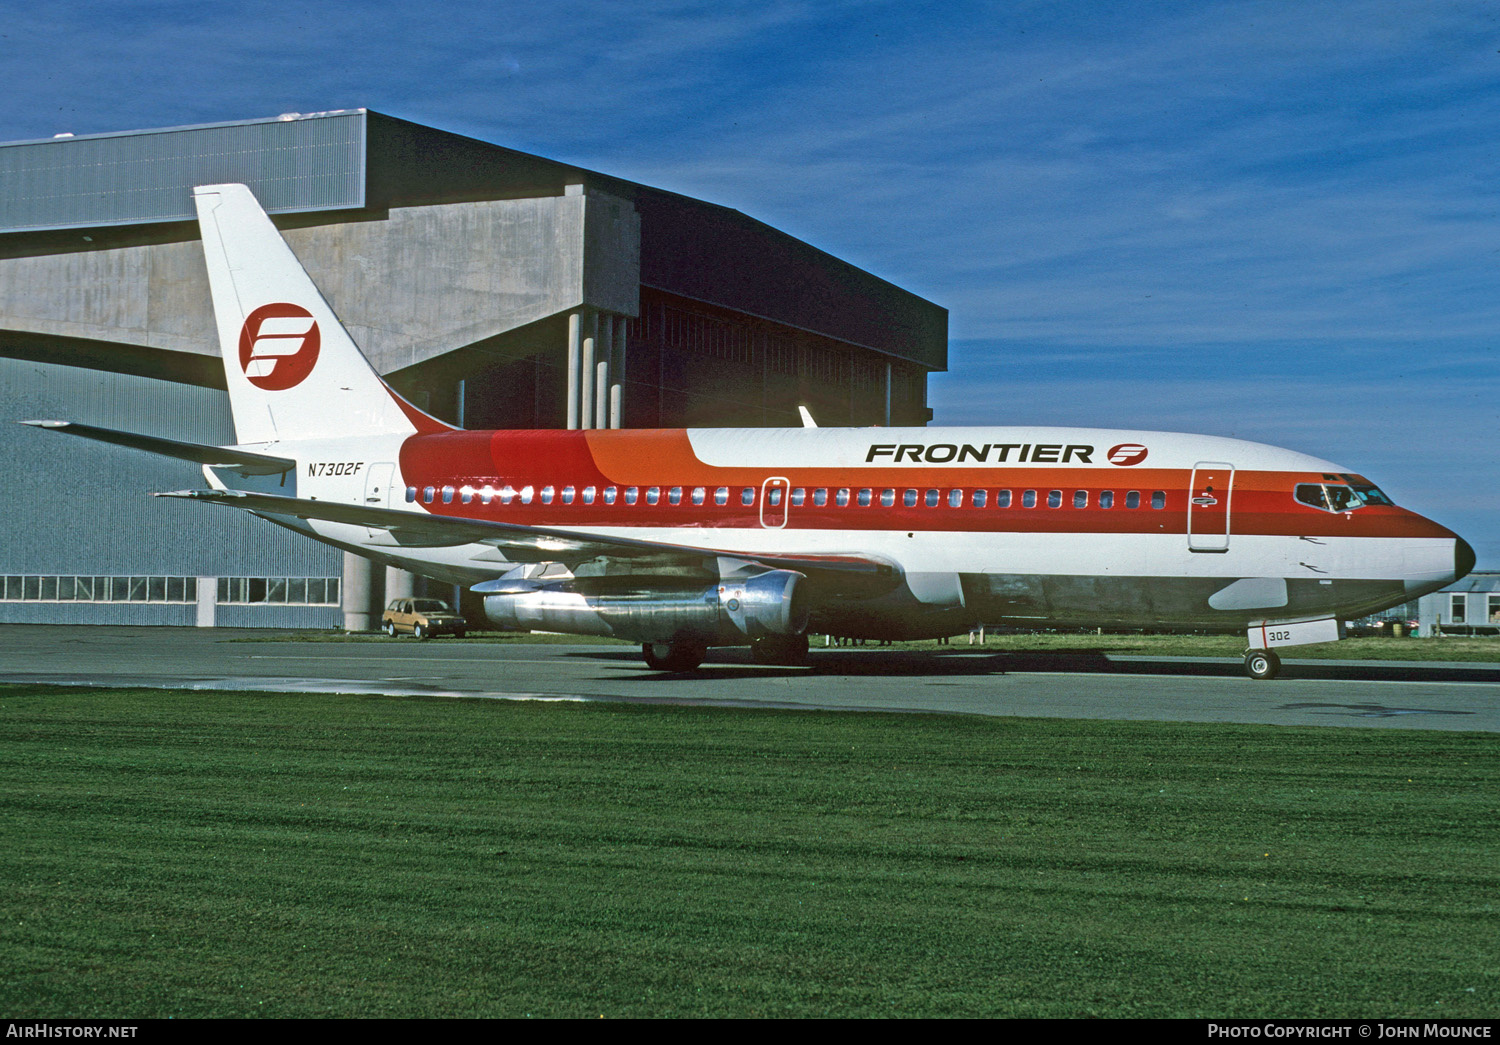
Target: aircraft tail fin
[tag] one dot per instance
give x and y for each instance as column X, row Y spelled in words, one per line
column 293, row 370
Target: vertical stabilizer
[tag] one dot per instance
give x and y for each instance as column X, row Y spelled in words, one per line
column 292, row 369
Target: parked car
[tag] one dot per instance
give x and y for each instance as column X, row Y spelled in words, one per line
column 423, row 618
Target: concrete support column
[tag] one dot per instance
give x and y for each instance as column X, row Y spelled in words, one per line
column 617, row 374
column 575, row 364
column 602, row 359
column 888, row 395
column 586, row 391
column 356, row 588
column 399, row 584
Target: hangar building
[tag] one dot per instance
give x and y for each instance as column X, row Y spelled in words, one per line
column 494, row 288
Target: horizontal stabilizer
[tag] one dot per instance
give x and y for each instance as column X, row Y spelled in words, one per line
column 244, row 462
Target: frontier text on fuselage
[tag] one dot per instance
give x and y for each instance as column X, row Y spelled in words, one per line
column 985, row 453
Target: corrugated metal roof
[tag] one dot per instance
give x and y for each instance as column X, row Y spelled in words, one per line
column 293, row 163
column 1475, row 582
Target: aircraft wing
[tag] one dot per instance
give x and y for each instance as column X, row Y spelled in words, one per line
column 243, row 461
column 845, row 572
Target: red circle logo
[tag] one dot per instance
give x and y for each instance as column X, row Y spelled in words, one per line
column 1127, row 454
column 279, row 346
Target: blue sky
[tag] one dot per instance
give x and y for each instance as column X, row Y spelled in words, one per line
column 1279, row 221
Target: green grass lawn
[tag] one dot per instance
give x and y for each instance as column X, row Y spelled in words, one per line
column 220, row 854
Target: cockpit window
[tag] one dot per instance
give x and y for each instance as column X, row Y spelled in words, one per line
column 1330, row 497
column 1371, row 494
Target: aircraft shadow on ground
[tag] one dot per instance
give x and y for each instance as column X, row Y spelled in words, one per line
column 730, row 663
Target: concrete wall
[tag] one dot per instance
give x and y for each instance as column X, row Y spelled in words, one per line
column 418, row 283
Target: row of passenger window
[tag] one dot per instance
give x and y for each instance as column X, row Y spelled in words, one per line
column 799, row 496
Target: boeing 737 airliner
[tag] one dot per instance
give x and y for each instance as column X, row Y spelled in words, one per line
column 687, row 539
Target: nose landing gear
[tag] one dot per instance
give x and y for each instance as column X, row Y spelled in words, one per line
column 1262, row 664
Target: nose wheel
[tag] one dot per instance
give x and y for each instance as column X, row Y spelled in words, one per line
column 1262, row 664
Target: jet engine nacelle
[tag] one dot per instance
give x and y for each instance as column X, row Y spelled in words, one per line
column 728, row 613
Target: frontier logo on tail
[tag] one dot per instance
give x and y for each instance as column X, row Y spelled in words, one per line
column 279, row 346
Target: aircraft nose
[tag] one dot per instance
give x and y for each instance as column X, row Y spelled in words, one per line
column 1463, row 558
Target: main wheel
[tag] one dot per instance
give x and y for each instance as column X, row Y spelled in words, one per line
column 1262, row 664
column 790, row 650
column 673, row 656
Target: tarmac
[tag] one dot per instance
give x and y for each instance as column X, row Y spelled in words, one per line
column 960, row 680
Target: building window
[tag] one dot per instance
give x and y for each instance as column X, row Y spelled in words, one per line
column 279, row 591
column 1458, row 606
column 74, row 588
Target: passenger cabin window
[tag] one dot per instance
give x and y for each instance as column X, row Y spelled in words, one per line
column 747, row 495
column 1080, row 498
column 887, row 498
column 1054, row 498
column 932, row 498
column 411, row 495
column 1133, row 499
column 1159, row 499
column 486, row 494
column 632, row 494
column 979, row 498
column 820, row 497
column 699, row 494
column 674, row 495
column 721, row 495
column 428, row 493
column 955, row 498
column 799, row 496
column 588, row 495
column 1106, row 498
column 568, row 494
column 864, row 498
column 653, row 495
column 548, row 493
column 610, row 493
column 842, row 497
column 1002, row 498
column 447, row 495
column 1028, row 499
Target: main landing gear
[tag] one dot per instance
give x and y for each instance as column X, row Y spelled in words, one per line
column 1262, row 664
column 673, row 656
